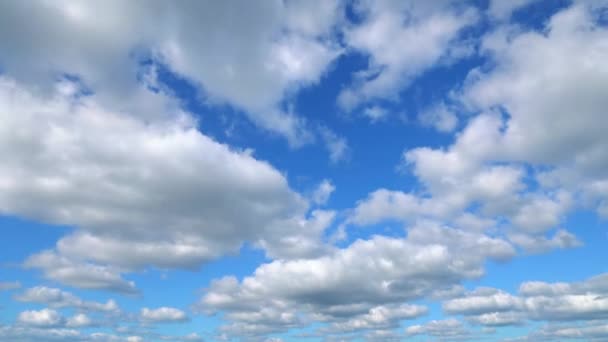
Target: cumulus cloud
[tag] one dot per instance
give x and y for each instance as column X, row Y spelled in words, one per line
column 439, row 117
column 163, row 315
column 543, row 93
column 288, row 45
column 41, row 318
column 402, row 39
column 379, row 271
column 79, row 274
column 27, row 333
column 57, row 298
column 113, row 175
column 79, row 321
column 448, row 328
column 538, row 301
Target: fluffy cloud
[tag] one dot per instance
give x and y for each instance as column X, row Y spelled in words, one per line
column 402, row 39
column 550, row 86
column 323, row 192
column 502, row 10
column 487, row 165
column 591, row 331
column 79, row 274
column 163, row 315
column 79, row 321
column 165, row 189
column 249, row 56
column 439, row 117
column 42, row 318
column 57, row 298
column 539, row 301
column 448, row 328
column 377, row 272
column 336, row 145
column 378, row 318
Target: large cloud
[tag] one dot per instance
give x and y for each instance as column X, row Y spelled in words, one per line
column 551, row 86
column 251, row 56
column 351, row 287
column 534, row 146
column 56, row 298
column 138, row 190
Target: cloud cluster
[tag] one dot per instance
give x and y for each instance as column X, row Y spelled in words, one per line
column 56, row 298
column 91, row 138
column 142, row 193
column 377, row 272
column 538, row 301
column 287, row 44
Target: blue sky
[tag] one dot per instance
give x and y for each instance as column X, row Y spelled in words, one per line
column 304, row 170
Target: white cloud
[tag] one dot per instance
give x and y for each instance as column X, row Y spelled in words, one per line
column 402, row 39
column 27, row 334
column 79, row 274
column 538, row 301
column 109, row 174
column 380, row 317
column 550, row 85
column 375, row 113
column 78, row 321
column 438, row 328
column 590, row 331
column 41, row 318
column 541, row 243
column 57, row 298
column 376, row 272
column 163, row 315
column 323, row 191
column 250, row 56
column 439, row 117
column 481, row 301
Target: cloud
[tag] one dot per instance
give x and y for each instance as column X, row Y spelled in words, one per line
column 163, row 315
column 542, row 93
column 502, row 10
column 113, row 175
column 380, row 317
column 537, row 301
column 336, row 145
column 79, row 321
column 79, row 274
column 42, row 318
column 248, row 56
column 57, row 298
column 378, row 272
column 402, row 40
column 27, row 334
column 439, row 117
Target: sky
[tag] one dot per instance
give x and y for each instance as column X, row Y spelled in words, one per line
column 304, row 170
